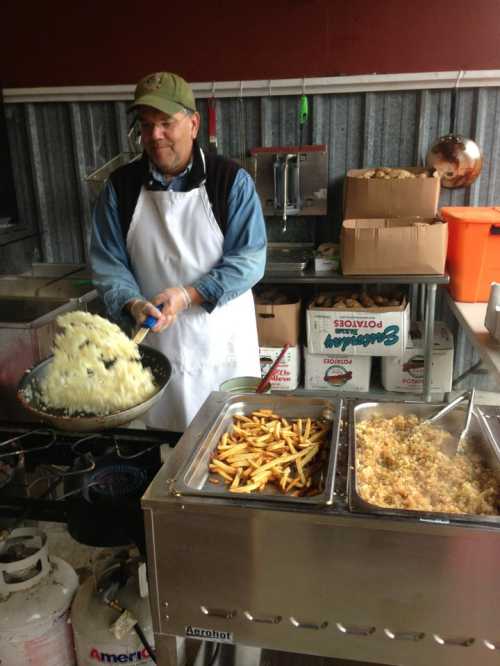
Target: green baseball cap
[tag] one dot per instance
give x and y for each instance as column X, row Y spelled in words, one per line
column 164, row 91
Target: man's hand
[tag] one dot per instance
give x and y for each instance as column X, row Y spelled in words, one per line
column 140, row 309
column 174, row 301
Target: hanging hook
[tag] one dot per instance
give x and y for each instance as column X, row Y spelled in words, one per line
column 270, row 84
column 241, row 89
column 453, row 105
column 459, row 77
column 303, row 111
column 212, row 121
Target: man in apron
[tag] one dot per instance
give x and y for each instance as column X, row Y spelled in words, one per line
column 180, row 235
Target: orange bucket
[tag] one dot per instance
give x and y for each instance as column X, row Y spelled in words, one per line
column 473, row 259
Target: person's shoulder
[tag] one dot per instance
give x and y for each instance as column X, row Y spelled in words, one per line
column 220, row 162
column 221, row 172
column 129, row 171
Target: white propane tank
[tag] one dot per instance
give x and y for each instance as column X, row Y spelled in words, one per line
column 35, row 595
column 93, row 624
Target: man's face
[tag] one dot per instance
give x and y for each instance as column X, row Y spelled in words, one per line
column 168, row 140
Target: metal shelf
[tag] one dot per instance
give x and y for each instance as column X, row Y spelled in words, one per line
column 376, row 393
column 429, row 284
column 311, row 277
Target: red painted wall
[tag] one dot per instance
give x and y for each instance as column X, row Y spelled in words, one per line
column 53, row 43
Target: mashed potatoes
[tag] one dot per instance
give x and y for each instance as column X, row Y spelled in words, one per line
column 96, row 368
column 401, row 466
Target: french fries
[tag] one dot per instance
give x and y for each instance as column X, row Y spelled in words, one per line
column 264, row 450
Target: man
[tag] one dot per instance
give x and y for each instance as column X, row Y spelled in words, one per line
column 180, row 235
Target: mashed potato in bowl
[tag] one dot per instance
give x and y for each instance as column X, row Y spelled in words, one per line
column 96, row 369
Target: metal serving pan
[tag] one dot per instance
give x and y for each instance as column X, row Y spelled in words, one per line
column 293, row 260
column 453, row 421
column 27, row 394
column 192, row 478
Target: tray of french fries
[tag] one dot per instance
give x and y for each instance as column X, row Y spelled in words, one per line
column 267, row 448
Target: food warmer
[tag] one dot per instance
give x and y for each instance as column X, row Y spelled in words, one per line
column 331, row 579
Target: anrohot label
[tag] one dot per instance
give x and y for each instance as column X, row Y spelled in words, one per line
column 209, row 634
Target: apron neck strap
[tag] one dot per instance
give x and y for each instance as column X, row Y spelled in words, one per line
column 198, row 172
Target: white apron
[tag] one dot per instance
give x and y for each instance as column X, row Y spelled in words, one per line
column 173, row 240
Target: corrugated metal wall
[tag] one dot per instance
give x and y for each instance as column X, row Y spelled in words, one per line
column 54, row 146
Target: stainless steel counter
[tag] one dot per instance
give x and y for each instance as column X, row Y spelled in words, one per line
column 318, row 580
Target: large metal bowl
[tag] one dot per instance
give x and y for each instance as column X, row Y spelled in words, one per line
column 458, row 160
column 151, row 358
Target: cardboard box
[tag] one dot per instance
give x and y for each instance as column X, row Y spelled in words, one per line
column 375, row 331
column 337, row 373
column 377, row 197
column 406, row 246
column 288, row 371
column 278, row 324
column 406, row 372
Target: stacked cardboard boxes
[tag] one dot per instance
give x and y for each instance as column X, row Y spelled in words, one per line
column 278, row 323
column 345, row 330
column 343, row 337
column 390, row 228
column 390, row 225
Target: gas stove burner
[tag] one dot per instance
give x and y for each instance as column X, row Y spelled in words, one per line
column 33, row 440
column 127, row 453
column 94, row 445
column 93, row 482
column 98, row 445
column 115, row 481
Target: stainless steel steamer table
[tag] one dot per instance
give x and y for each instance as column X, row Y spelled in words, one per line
column 319, row 579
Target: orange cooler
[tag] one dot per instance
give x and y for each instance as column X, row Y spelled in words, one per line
column 473, row 259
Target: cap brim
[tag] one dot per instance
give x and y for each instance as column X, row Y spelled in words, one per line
column 158, row 103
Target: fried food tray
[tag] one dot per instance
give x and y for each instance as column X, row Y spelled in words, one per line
column 359, row 412
column 193, row 476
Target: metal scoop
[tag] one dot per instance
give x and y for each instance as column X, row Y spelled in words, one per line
column 454, row 443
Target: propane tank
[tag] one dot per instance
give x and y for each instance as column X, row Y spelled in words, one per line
column 107, row 607
column 35, row 595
